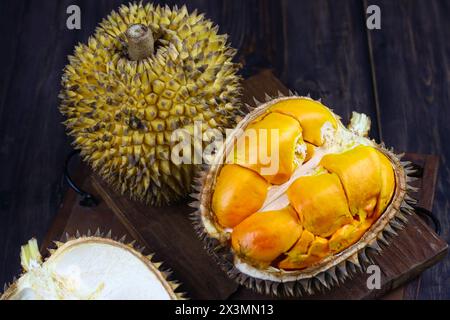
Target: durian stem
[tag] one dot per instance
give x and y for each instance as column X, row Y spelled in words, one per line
column 140, row 42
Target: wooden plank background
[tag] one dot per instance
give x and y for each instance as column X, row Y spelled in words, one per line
column 399, row 75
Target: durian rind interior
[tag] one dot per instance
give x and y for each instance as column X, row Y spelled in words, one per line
column 337, row 191
column 90, row 268
column 122, row 113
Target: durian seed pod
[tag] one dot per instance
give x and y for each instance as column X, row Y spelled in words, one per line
column 330, row 271
column 91, row 267
column 147, row 74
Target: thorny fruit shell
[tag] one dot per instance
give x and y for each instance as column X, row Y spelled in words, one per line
column 121, row 112
column 90, row 268
column 345, row 190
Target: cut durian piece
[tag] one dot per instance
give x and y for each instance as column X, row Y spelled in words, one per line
column 308, row 250
column 280, row 136
column 320, row 202
column 90, row 268
column 359, row 171
column 228, row 204
column 136, row 90
column 348, row 191
column 265, row 235
column 348, row 235
column 311, row 114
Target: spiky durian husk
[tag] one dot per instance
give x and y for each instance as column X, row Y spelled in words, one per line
column 163, row 274
column 121, row 113
column 333, row 270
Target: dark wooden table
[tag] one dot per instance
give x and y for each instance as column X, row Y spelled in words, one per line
column 398, row 75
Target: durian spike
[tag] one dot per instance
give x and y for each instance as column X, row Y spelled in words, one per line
column 140, row 42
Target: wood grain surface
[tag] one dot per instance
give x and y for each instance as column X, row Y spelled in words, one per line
column 399, row 75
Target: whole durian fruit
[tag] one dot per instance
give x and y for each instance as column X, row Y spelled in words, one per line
column 147, row 71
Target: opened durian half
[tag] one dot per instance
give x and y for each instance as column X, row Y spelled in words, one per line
column 146, row 72
column 305, row 226
column 90, row 268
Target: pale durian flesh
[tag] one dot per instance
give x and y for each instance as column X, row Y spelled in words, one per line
column 312, row 261
column 121, row 111
column 90, row 268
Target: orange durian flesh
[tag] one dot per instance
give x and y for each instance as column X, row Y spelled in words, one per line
column 348, row 235
column 264, row 236
column 276, row 166
column 360, row 174
column 311, row 114
column 238, row 193
column 387, row 184
column 298, row 258
column 320, row 203
column 310, row 150
column 304, row 242
column 319, row 247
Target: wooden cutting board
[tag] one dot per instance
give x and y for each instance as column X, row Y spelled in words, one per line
column 168, row 231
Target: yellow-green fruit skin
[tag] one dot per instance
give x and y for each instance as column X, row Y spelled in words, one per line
column 122, row 113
